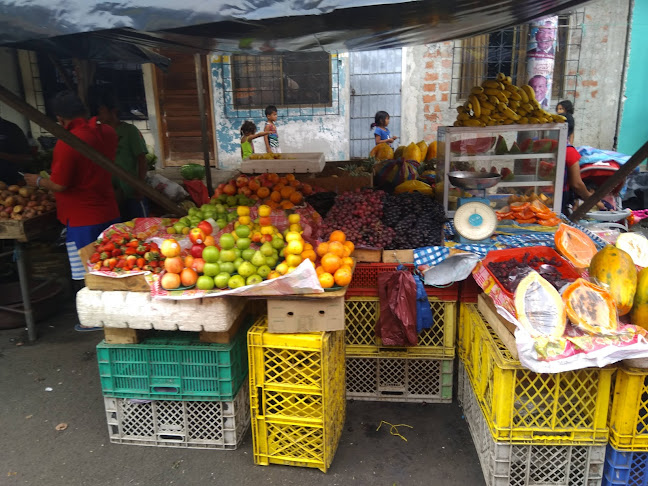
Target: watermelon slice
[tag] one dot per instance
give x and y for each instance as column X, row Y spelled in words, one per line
column 473, row 146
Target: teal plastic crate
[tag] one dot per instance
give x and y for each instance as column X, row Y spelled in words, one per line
column 174, row 366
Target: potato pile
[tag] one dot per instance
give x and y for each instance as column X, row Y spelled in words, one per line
column 19, row 203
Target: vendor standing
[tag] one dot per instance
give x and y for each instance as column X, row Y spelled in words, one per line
column 131, row 156
column 85, row 199
column 14, row 151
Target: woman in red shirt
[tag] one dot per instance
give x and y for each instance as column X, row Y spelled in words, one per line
column 85, row 199
column 574, row 185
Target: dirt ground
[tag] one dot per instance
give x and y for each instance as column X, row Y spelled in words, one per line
column 438, row 450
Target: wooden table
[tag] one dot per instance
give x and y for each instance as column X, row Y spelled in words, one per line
column 22, row 232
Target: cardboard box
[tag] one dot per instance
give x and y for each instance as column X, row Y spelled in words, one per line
column 367, row 255
column 398, row 256
column 305, row 315
column 337, row 180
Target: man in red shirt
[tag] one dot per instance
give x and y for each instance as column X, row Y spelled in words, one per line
column 85, row 199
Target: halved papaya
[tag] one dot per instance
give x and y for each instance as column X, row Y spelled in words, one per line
column 539, row 307
column 575, row 246
column 590, row 307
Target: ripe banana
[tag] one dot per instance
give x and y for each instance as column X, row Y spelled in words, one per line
column 487, row 105
column 501, row 95
column 523, row 120
column 463, row 116
column 475, row 105
column 490, row 83
column 482, row 97
column 461, row 109
column 492, row 91
column 529, row 92
column 501, row 76
column 485, row 111
column 472, row 123
column 533, row 120
column 558, row 118
column 511, row 114
column 524, row 95
column 477, row 90
column 514, row 105
column 494, row 100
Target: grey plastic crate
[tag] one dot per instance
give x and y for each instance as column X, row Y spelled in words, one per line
column 505, row 464
column 183, row 424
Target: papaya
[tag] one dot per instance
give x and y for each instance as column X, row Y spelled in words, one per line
column 574, row 245
column 399, row 152
column 412, row 152
column 614, row 270
column 423, row 149
column 635, row 245
column 382, row 151
column 539, row 307
column 639, row 313
column 431, row 151
column 590, row 307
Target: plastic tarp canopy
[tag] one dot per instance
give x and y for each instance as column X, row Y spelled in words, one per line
column 261, row 26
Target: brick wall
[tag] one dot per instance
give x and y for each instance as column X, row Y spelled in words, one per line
column 437, row 76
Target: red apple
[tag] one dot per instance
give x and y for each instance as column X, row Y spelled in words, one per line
column 229, row 189
column 196, row 250
column 196, row 235
column 206, row 228
column 174, row 264
column 241, row 181
column 267, row 237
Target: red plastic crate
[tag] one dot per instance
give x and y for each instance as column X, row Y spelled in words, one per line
column 566, row 270
column 365, row 282
column 470, row 290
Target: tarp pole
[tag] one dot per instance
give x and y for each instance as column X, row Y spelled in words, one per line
column 86, row 150
column 614, row 180
column 203, row 121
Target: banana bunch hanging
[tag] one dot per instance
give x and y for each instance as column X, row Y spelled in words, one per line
column 500, row 102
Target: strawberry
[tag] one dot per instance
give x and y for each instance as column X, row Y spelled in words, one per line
column 96, row 257
column 116, row 252
column 141, row 262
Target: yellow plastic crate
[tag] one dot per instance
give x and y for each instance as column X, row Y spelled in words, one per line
column 297, row 396
column 533, row 408
column 361, row 316
column 629, row 413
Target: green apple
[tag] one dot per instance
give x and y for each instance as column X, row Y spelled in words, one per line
column 220, row 209
column 211, row 269
column 227, row 256
column 253, row 279
column 243, row 243
column 263, row 271
column 277, row 243
column 231, row 201
column 204, row 282
column 226, row 241
column 184, row 220
column 222, row 198
column 237, row 252
column 282, row 254
column 209, row 214
column 210, row 254
column 258, row 259
column 232, row 216
column 194, row 221
column 242, row 231
column 221, row 223
column 246, row 269
column 227, row 267
column 221, row 280
column 271, row 261
column 235, row 282
column 248, row 253
column 266, row 249
column 200, row 215
column 237, row 263
column 192, row 211
column 178, row 227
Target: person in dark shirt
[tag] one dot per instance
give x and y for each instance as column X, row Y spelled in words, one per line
column 14, row 151
column 566, row 109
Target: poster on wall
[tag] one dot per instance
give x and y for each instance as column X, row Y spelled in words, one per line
column 541, row 53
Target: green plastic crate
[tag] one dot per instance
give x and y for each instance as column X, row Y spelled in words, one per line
column 174, row 366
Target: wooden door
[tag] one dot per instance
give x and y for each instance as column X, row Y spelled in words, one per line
column 179, row 116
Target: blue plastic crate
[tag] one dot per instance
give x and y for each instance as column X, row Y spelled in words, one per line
column 174, row 366
column 625, row 468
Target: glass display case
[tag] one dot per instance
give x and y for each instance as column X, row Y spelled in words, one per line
column 529, row 158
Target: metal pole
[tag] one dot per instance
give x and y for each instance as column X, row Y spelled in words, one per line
column 23, row 278
column 611, row 182
column 203, row 121
column 79, row 145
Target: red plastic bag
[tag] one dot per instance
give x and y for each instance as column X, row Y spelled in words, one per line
column 397, row 323
column 198, row 191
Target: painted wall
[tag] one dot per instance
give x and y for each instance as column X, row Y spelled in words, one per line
column 325, row 130
column 633, row 131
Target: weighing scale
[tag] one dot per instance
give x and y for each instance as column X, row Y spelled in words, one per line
column 474, row 220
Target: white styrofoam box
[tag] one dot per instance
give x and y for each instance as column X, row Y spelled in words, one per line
column 506, row 464
column 177, row 423
column 137, row 310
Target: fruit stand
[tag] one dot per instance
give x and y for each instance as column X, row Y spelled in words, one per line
column 26, row 216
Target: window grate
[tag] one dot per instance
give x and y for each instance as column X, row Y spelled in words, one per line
column 480, row 57
column 301, row 84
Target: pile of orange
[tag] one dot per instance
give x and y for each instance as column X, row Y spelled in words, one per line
column 285, row 193
column 335, row 264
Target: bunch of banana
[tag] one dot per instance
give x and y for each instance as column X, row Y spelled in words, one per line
column 499, row 102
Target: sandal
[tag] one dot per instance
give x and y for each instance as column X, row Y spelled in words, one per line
column 80, row 328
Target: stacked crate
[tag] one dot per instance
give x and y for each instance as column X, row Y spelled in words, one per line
column 422, row 373
column 530, row 428
column 173, row 390
column 296, row 396
column 626, row 462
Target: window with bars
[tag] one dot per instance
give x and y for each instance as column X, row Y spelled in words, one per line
column 285, row 80
column 123, row 79
column 484, row 56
